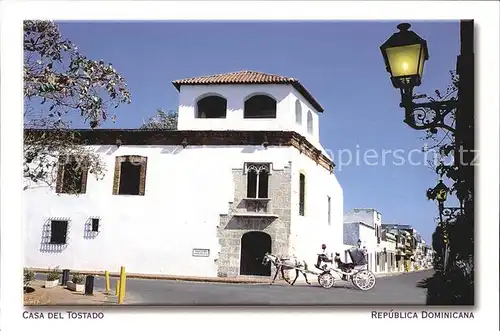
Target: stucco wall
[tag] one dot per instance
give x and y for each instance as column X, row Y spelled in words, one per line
column 236, row 95
column 305, row 108
column 312, row 229
column 188, row 192
column 351, row 234
column 371, row 218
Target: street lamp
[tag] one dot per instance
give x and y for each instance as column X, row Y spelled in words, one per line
column 440, row 193
column 404, row 55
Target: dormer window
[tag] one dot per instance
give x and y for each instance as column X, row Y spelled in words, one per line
column 212, row 106
column 260, row 106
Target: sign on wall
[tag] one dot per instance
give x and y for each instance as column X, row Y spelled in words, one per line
column 201, row 252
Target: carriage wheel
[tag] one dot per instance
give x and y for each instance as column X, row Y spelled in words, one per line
column 364, row 280
column 353, row 282
column 326, row 280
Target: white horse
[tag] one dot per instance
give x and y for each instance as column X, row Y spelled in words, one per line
column 286, row 263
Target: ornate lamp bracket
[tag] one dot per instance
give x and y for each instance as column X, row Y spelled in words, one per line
column 427, row 115
column 449, row 213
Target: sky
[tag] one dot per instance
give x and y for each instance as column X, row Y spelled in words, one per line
column 340, row 64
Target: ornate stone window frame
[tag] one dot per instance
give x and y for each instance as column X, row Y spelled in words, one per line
column 257, row 204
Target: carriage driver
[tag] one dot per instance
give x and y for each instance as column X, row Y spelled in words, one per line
column 323, row 257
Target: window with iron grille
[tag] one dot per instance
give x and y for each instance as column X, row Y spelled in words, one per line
column 71, row 176
column 58, row 232
column 95, row 225
column 302, row 194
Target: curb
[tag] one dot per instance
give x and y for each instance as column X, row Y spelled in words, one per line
column 399, row 273
column 220, row 280
column 167, row 277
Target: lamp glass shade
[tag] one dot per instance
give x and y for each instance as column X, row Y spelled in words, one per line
column 404, row 55
column 441, row 191
column 406, row 61
column 441, row 195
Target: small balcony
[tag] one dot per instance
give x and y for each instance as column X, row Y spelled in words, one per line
column 254, row 207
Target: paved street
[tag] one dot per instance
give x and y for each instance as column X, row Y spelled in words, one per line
column 392, row 290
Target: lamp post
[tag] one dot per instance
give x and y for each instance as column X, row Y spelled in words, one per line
column 404, row 55
column 440, row 193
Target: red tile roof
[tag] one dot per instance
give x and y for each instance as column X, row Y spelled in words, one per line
column 249, row 77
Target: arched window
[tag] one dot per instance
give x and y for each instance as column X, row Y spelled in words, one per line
column 258, row 180
column 260, row 106
column 211, row 107
column 309, row 122
column 298, row 112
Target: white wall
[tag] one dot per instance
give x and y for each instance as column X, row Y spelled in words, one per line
column 311, row 230
column 236, row 95
column 389, row 245
column 186, row 190
column 305, row 108
column 371, row 217
column 367, row 236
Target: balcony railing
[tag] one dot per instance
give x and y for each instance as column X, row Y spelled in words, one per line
column 255, row 207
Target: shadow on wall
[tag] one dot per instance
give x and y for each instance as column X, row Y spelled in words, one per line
column 248, row 224
column 92, row 228
column 108, row 150
column 177, row 149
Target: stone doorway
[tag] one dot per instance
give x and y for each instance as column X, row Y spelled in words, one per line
column 254, row 245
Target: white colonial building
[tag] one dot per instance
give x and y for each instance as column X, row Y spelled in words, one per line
column 243, row 175
column 363, row 226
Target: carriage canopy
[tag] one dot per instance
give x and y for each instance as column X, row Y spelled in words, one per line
column 358, row 256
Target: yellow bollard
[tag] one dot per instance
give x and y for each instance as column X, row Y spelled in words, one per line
column 106, row 275
column 123, row 277
column 117, row 287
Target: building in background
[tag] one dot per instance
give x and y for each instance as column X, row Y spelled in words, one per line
column 244, row 174
column 409, row 245
column 389, row 248
column 363, row 225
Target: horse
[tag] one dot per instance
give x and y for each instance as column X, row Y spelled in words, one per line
column 286, row 263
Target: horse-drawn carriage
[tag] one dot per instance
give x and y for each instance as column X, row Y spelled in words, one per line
column 334, row 269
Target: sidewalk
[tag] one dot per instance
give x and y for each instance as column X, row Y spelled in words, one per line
column 396, row 273
column 236, row 280
column 60, row 296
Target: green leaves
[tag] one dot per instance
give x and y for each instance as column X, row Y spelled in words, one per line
column 163, row 120
column 60, row 80
column 57, row 73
